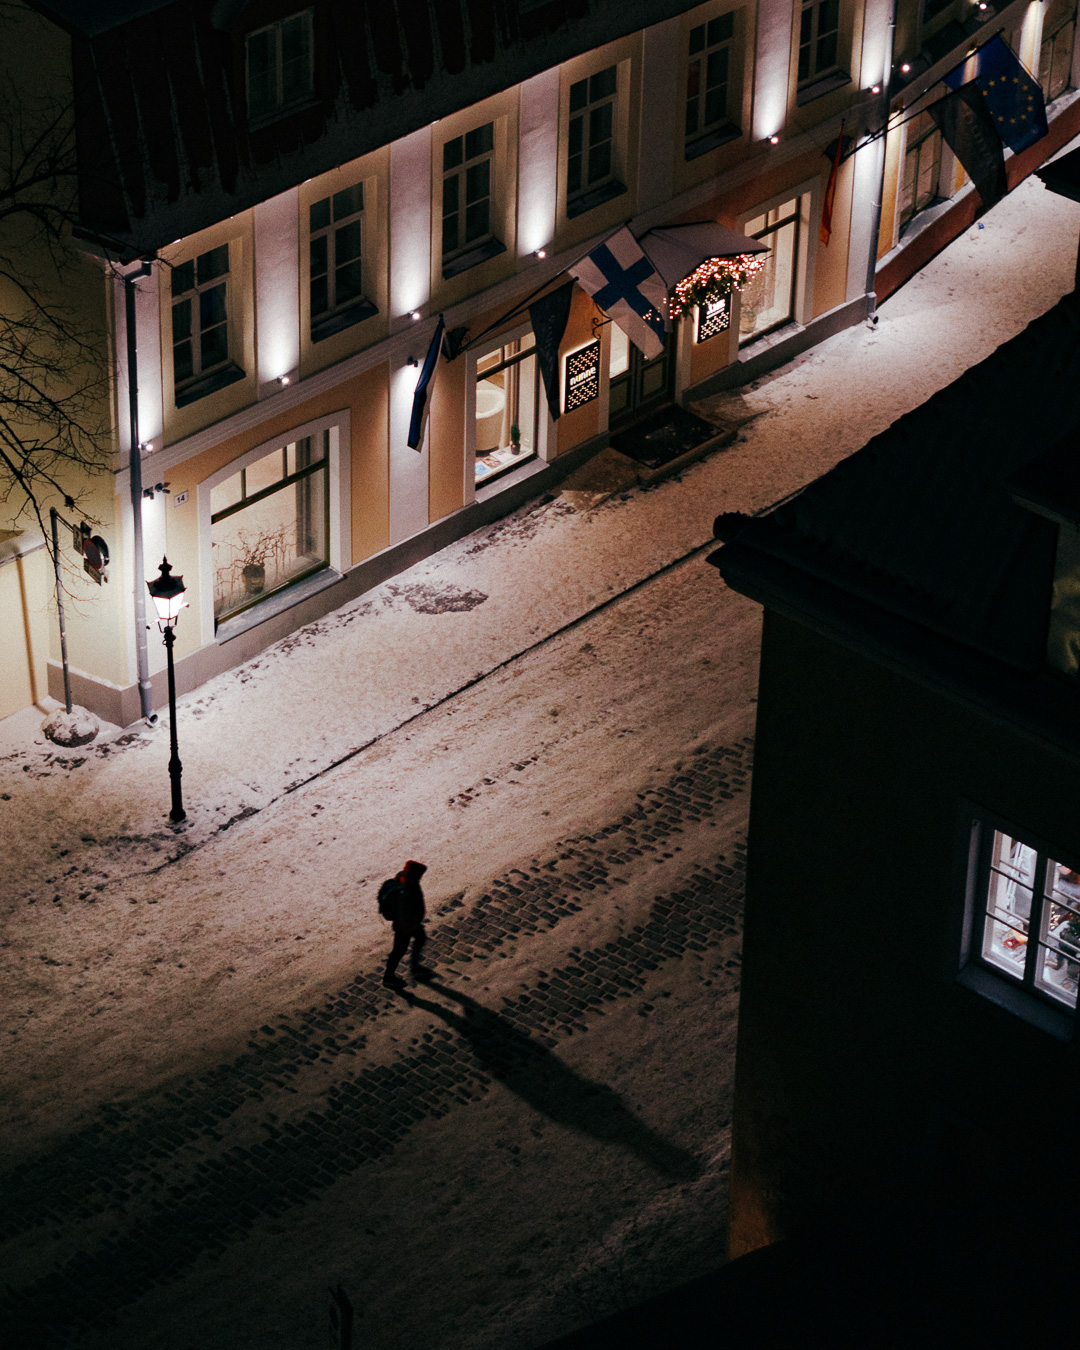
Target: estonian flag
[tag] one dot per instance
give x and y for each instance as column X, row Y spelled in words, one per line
column 548, row 317
column 421, row 399
column 1013, row 99
column 969, row 130
column 626, row 286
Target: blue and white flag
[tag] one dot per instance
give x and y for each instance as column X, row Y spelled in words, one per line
column 422, row 397
column 626, row 286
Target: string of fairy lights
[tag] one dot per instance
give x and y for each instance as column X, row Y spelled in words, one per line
column 714, row 279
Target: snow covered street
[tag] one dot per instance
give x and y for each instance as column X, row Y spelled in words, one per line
column 212, row 1109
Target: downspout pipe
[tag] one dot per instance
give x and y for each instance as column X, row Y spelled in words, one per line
column 146, row 694
column 879, row 197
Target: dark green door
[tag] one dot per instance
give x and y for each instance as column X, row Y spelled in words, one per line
column 638, row 386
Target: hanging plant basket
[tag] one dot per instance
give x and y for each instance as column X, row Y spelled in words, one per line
column 713, row 280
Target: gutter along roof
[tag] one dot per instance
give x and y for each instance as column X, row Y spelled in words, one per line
column 164, row 145
column 921, row 526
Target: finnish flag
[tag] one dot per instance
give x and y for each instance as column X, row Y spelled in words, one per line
column 626, row 286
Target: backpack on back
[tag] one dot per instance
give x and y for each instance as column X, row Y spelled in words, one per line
column 388, row 894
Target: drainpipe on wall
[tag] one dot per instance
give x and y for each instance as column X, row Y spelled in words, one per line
column 146, row 697
column 879, row 199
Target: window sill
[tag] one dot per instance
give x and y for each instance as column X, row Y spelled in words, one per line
column 268, row 119
column 208, row 384
column 275, row 604
column 342, row 319
column 819, row 88
column 589, row 201
column 453, row 267
column 712, row 141
column 1056, row 1021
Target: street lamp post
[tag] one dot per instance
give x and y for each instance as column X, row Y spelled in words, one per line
column 167, row 593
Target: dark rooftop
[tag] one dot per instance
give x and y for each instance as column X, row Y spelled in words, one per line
column 922, row 524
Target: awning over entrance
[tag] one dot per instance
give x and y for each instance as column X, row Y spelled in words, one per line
column 676, row 251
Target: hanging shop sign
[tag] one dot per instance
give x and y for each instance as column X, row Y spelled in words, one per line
column 713, row 317
column 581, row 377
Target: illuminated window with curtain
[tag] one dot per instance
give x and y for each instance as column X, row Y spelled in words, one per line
column 336, row 263
column 507, row 408
column 920, row 183
column 768, row 301
column 709, row 86
column 269, row 524
column 1056, row 52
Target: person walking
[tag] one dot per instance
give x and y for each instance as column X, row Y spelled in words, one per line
column 402, row 902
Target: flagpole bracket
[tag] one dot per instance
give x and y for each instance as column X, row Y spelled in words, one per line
column 597, row 324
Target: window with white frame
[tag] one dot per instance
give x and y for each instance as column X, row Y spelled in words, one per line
column 269, row 524
column 710, row 85
column 336, row 262
column 591, row 161
column 769, row 300
column 279, row 62
column 202, row 360
column 1026, row 920
column 1056, row 50
column 921, row 180
column 468, row 200
column 507, row 407
column 819, row 49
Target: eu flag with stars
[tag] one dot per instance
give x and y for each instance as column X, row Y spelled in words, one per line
column 1013, row 99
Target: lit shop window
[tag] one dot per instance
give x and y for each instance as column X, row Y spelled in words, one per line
column 269, row 524
column 200, row 326
column 922, row 167
column 279, row 66
column 769, row 300
column 336, row 256
column 1029, row 918
column 590, row 159
column 1055, row 54
column 708, row 82
column 468, row 200
column 507, row 408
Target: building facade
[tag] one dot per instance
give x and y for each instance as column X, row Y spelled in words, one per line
column 907, row 1052
column 291, row 197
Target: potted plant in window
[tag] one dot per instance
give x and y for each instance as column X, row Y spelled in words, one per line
column 256, row 552
column 515, row 439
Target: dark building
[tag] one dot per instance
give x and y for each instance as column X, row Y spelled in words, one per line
column 907, row 1060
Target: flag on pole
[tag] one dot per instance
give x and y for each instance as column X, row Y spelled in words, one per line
column 626, row 286
column 969, row 130
column 1013, row 99
column 421, row 398
column 830, row 190
column 548, row 317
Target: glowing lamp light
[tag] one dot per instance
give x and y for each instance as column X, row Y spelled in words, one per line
column 876, row 89
column 541, row 252
column 146, row 446
column 905, row 68
column 414, row 314
column 774, row 140
column 283, row 380
column 167, row 593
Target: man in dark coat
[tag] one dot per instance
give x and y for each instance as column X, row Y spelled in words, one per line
column 405, row 907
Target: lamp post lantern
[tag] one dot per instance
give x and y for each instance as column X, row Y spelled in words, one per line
column 167, row 593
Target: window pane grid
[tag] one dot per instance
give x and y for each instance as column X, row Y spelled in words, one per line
column 707, row 75
column 200, row 288
column 590, row 139
column 819, row 34
column 467, row 187
column 279, row 65
column 1031, row 918
column 336, row 250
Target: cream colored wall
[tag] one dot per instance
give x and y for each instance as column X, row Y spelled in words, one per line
column 25, row 594
column 831, row 268
column 446, row 450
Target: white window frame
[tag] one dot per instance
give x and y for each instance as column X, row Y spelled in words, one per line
column 339, row 542
column 192, row 297
column 807, row 194
column 1018, row 994
column 363, row 306
column 706, row 136
column 615, row 179
column 460, row 173
column 543, row 428
column 280, row 107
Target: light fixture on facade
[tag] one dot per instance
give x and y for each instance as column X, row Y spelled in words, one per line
column 283, row 380
column 774, row 139
column 905, row 68
column 414, row 315
column 541, row 252
column 876, row 89
column 146, row 446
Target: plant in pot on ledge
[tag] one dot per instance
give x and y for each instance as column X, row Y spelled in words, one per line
column 259, row 556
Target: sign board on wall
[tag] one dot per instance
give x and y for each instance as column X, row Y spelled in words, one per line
column 581, row 376
column 713, row 318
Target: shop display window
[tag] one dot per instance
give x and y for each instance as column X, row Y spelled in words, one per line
column 1030, row 918
column 269, row 524
column 768, row 301
column 507, row 408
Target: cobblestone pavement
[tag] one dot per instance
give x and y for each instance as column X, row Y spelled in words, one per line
column 154, row 1186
